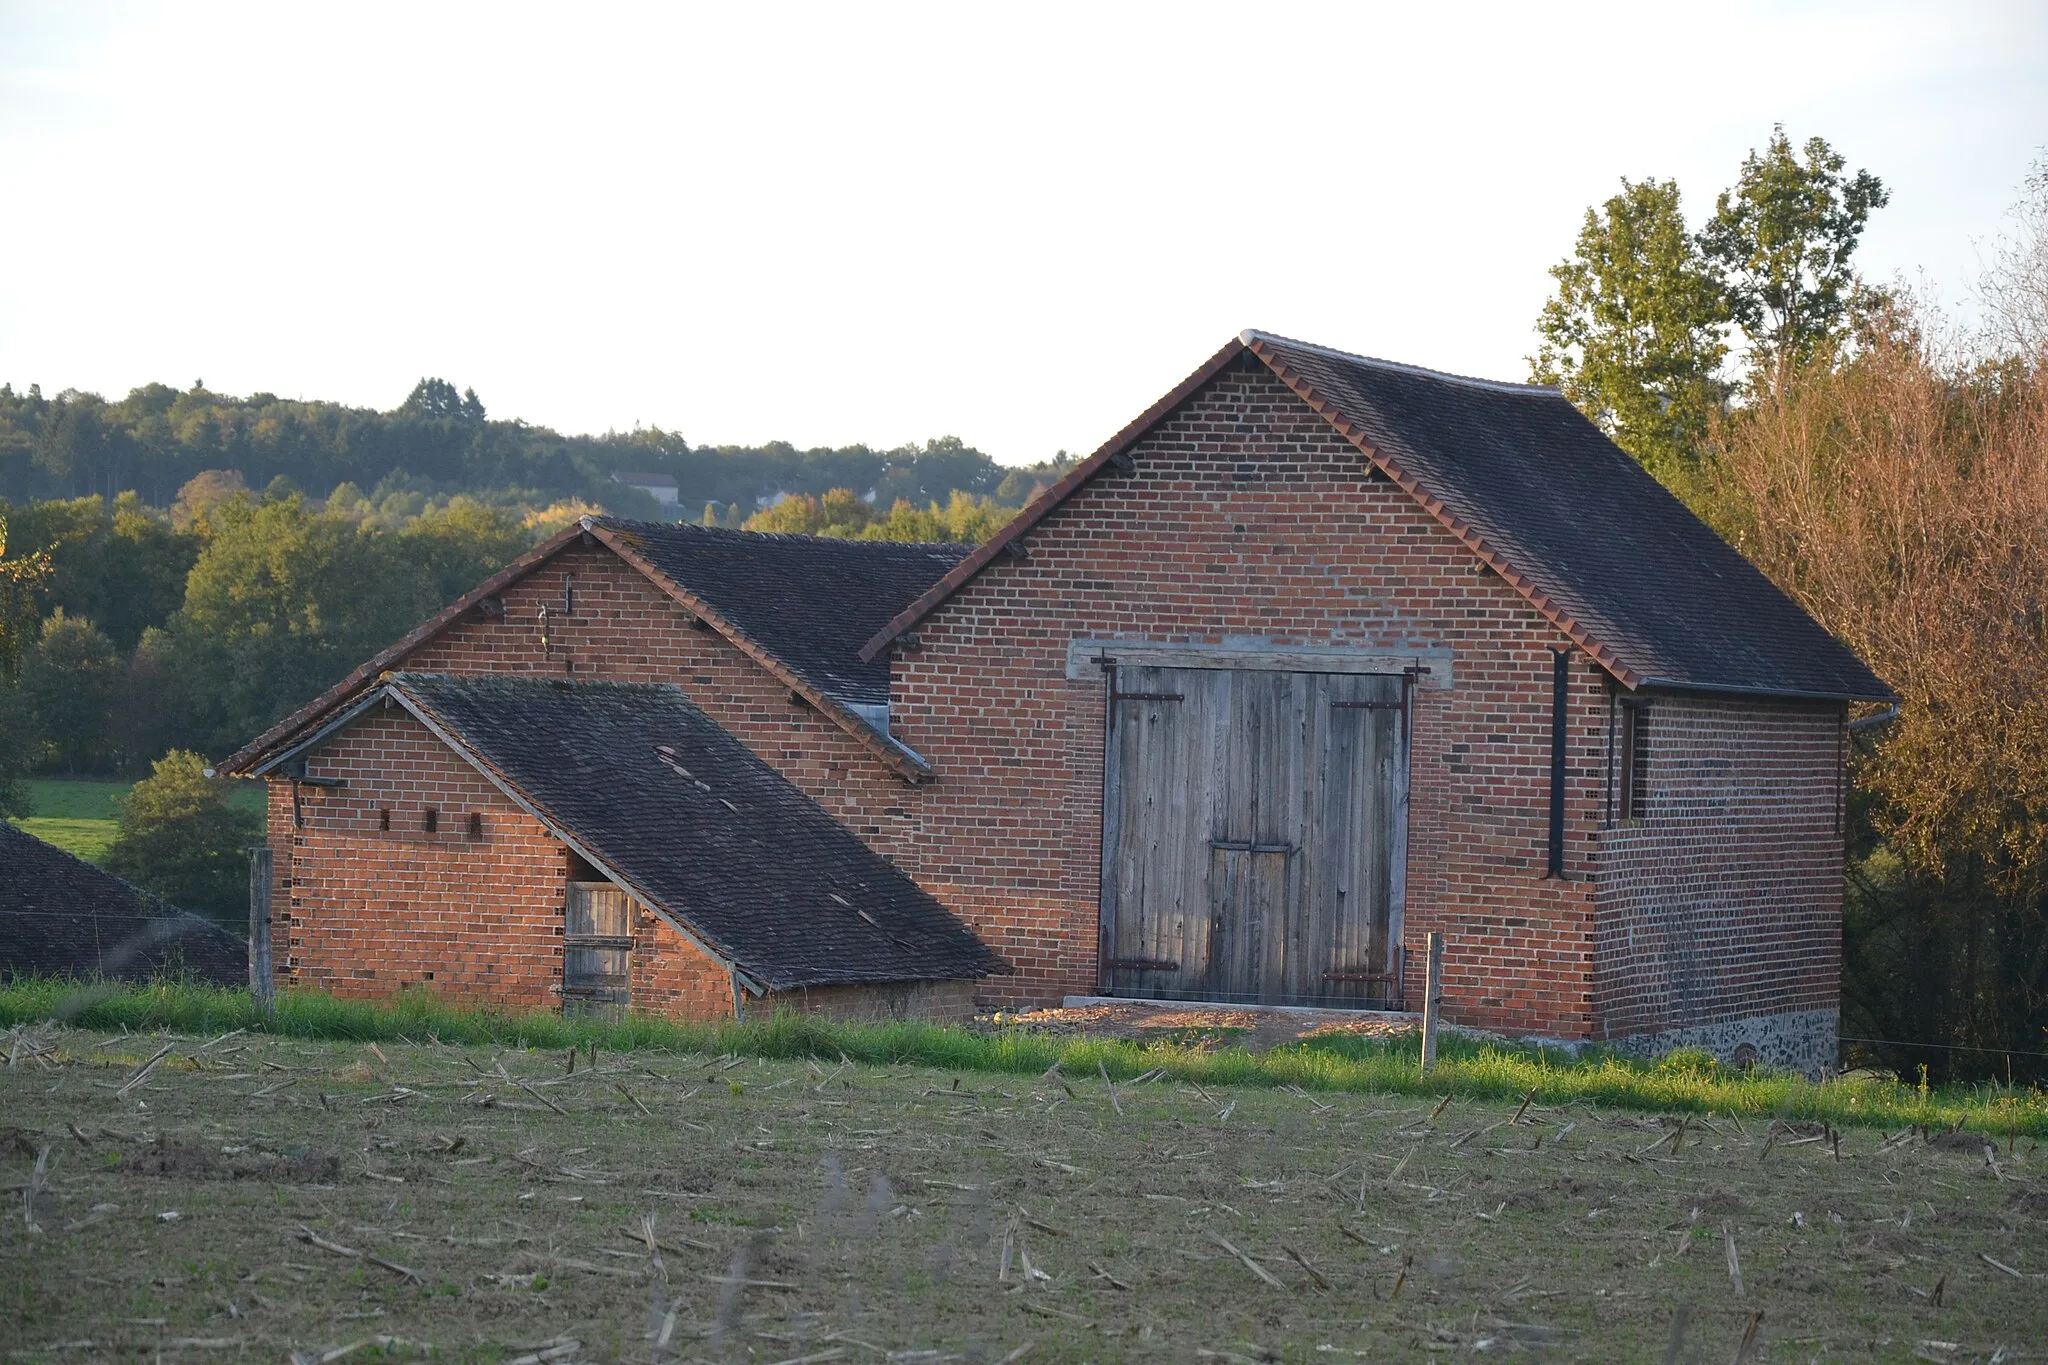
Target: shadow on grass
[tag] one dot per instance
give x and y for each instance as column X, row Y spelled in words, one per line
column 1690, row 1082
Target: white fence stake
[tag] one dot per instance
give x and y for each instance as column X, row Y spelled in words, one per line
column 1432, row 1000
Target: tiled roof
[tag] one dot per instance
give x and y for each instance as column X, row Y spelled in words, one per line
column 811, row 601
column 61, row 916
column 1589, row 529
column 804, row 605
column 1580, row 529
column 653, row 791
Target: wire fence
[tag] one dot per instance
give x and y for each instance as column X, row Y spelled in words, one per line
column 1946, row 1047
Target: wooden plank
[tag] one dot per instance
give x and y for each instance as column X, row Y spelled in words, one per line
column 1085, row 657
column 597, row 942
column 1155, row 905
column 1352, row 853
column 1251, row 834
column 1291, row 966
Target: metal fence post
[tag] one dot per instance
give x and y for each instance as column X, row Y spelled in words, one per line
column 1432, row 1000
column 262, row 986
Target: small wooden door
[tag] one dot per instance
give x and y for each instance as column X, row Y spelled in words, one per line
column 1252, row 823
column 597, row 950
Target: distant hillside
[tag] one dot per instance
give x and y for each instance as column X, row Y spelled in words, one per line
column 440, row 441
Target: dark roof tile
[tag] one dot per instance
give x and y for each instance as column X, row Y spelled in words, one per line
column 1610, row 547
column 656, row 792
column 61, row 916
column 811, row 601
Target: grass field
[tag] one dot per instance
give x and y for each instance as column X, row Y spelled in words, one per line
column 1465, row 1067
column 81, row 815
column 255, row 1196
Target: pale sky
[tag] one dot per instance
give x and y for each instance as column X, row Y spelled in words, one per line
column 1015, row 224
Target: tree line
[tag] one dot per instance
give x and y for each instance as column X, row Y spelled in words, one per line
column 1889, row 469
column 439, row 442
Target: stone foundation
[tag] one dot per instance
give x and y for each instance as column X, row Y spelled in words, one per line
column 1805, row 1041
column 931, row 1002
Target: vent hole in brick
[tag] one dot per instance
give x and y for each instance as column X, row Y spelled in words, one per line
column 431, row 821
column 384, row 818
column 476, row 825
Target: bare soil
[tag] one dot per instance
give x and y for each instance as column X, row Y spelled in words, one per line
column 276, row 1199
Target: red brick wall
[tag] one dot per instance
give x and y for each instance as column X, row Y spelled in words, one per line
column 671, row 976
column 1247, row 516
column 365, row 911
column 1725, row 901
column 623, row 629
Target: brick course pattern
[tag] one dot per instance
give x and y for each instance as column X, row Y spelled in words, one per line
column 370, row 911
column 1246, row 517
column 1725, row 901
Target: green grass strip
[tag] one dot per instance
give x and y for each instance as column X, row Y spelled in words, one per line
column 1690, row 1082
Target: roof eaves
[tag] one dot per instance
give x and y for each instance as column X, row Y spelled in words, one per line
column 896, row 757
column 1467, row 534
column 255, row 750
column 421, row 711
column 311, row 739
column 1042, row 506
column 1785, row 693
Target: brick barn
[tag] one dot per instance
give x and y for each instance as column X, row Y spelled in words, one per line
column 1319, row 654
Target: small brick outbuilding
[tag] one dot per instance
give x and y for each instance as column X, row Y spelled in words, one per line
column 1320, row 654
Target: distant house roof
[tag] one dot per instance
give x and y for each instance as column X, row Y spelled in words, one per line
column 801, row 606
column 61, row 916
column 1589, row 538
column 702, row 832
column 639, row 479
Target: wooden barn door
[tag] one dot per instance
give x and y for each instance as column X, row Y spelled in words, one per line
column 1357, row 825
column 597, row 950
column 1251, row 834
column 1162, row 773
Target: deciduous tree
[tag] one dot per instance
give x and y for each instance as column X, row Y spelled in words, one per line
column 68, row 681
column 1783, row 238
column 181, row 839
column 1634, row 333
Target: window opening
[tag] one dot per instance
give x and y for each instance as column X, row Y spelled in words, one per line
column 476, row 825
column 431, row 821
column 1635, row 760
column 384, row 818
